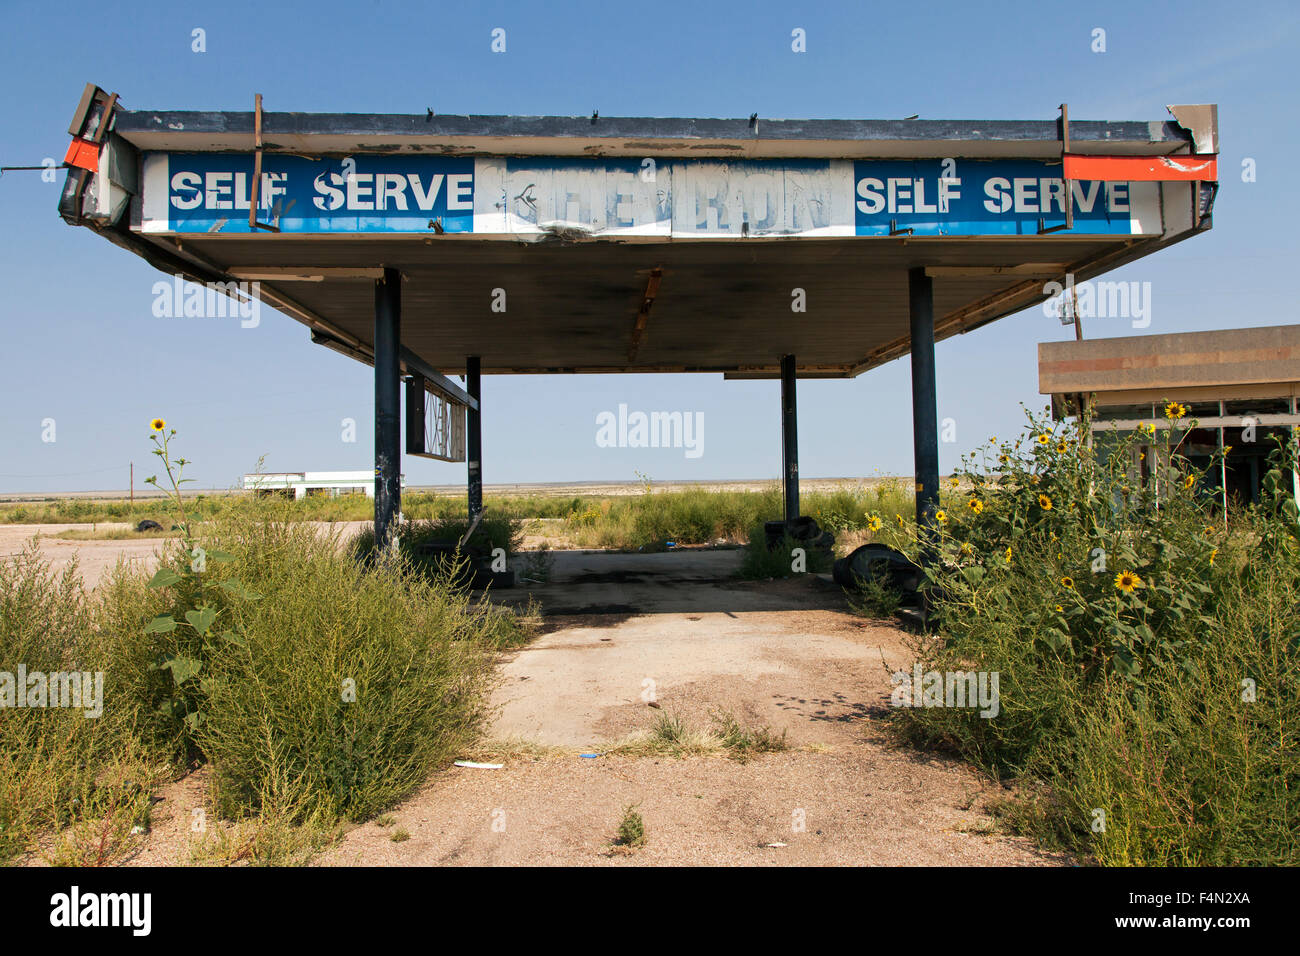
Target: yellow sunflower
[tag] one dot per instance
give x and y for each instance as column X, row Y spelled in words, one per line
column 1188, row 481
column 1175, row 411
column 1045, row 502
column 1062, row 448
column 1067, row 582
column 967, row 549
column 1214, row 554
column 1127, row 581
column 873, row 522
column 1044, row 439
column 1008, row 554
column 975, row 505
column 941, row 517
column 157, row 424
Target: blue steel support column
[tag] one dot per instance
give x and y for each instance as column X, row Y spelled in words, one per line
column 925, row 415
column 474, row 437
column 388, row 435
column 789, row 440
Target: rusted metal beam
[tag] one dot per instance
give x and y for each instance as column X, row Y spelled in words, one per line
column 257, row 171
column 435, row 381
column 303, row 273
column 1066, row 179
column 1025, row 270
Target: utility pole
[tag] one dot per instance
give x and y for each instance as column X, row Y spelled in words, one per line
column 132, row 486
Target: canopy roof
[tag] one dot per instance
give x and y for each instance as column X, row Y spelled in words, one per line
column 561, row 244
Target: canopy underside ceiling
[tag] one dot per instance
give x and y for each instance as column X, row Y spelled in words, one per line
column 718, row 306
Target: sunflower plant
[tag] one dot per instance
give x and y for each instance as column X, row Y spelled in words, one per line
column 193, row 592
column 1147, row 647
column 1045, row 509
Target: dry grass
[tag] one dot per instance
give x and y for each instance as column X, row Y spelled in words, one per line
column 270, row 839
column 514, row 748
column 111, row 534
column 673, row 736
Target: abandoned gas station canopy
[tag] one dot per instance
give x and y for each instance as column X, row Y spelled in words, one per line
column 553, row 244
column 427, row 245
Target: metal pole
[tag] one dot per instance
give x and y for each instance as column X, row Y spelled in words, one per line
column 789, row 440
column 388, row 447
column 925, row 415
column 474, row 438
column 1223, row 470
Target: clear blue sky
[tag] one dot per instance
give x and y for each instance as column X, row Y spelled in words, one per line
column 80, row 344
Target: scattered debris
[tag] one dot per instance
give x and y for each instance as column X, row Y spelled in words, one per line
column 876, row 562
column 479, row 766
column 804, row 530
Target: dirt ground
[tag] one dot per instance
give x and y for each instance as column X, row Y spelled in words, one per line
column 678, row 629
column 781, row 654
column 94, row 558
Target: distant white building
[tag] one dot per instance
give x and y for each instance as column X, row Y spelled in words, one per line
column 302, row 484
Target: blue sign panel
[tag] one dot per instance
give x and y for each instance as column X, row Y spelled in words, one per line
column 526, row 198
column 210, row 192
column 946, row 197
